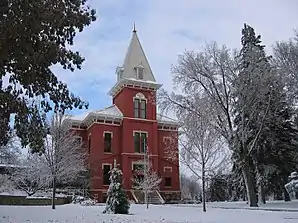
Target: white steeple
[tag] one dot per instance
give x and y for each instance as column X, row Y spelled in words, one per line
column 136, row 65
column 136, row 70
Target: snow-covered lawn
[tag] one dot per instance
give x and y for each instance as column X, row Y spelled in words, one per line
column 74, row 213
column 270, row 205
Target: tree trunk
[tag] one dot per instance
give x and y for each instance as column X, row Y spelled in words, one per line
column 54, row 193
column 249, row 185
column 262, row 195
column 146, row 199
column 260, row 182
column 203, row 188
column 278, row 195
column 286, row 195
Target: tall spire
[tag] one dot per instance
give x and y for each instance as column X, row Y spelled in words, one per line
column 135, row 57
column 134, row 27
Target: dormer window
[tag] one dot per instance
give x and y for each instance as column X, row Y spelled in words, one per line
column 140, row 72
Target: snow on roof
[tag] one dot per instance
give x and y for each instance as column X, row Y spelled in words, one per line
column 3, row 165
column 80, row 117
column 113, row 111
column 164, row 119
column 139, row 80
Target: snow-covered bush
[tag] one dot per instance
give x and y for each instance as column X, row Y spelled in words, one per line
column 31, row 176
column 89, row 202
column 292, row 186
column 117, row 201
column 77, row 199
column 85, row 201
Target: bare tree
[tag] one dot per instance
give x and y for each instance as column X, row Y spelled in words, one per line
column 64, row 154
column 203, row 149
column 31, row 175
column 285, row 57
column 211, row 74
column 150, row 180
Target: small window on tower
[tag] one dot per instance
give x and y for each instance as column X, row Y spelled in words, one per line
column 140, row 72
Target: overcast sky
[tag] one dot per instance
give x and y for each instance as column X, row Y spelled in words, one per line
column 166, row 28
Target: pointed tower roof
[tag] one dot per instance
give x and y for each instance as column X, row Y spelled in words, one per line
column 135, row 57
column 136, row 70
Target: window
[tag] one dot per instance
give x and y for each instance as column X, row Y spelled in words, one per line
column 143, row 109
column 168, row 182
column 136, row 108
column 140, row 141
column 140, row 72
column 89, row 144
column 107, row 142
column 167, row 169
column 139, row 108
column 138, row 166
column 106, row 174
column 138, row 178
column 78, row 140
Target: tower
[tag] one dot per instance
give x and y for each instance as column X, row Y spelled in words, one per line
column 136, row 81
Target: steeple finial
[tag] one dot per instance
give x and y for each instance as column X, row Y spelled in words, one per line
column 134, row 27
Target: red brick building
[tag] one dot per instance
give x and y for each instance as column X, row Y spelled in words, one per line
column 121, row 131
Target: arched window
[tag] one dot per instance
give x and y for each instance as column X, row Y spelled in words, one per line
column 140, row 107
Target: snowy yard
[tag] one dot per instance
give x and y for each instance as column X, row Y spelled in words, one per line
column 74, row 213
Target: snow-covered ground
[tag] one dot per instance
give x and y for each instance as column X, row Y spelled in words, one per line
column 74, row 213
column 270, row 205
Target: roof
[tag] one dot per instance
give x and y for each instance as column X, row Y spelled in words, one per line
column 135, row 57
column 114, row 112
column 164, row 119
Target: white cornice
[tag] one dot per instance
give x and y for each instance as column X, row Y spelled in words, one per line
column 130, row 82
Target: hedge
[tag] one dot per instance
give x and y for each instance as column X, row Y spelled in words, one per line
column 23, row 200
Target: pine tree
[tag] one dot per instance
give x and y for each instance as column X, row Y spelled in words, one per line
column 277, row 145
column 252, row 93
column 117, row 201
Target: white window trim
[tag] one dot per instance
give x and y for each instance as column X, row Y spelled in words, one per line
column 103, row 134
column 139, row 131
column 106, row 164
column 102, row 165
column 136, row 163
column 167, row 167
column 138, row 97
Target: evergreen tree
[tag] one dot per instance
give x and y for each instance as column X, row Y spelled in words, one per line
column 218, row 188
column 277, row 146
column 117, row 201
column 252, row 91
